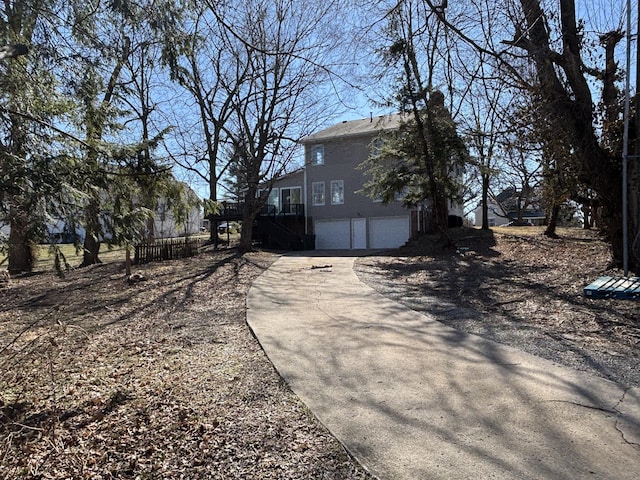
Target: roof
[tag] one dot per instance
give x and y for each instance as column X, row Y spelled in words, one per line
column 505, row 195
column 527, row 214
column 356, row 128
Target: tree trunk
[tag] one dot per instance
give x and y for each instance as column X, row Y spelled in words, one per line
column 91, row 251
column 570, row 104
column 21, row 255
column 249, row 213
column 92, row 233
column 550, row 231
column 485, row 201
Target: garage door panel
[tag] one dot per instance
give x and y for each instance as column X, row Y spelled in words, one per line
column 333, row 234
column 388, row 232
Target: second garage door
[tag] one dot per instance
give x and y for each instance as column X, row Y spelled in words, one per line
column 388, row 232
column 333, row 234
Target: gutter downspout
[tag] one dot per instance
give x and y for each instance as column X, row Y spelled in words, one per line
column 304, row 189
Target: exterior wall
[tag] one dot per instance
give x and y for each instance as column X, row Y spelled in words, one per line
column 165, row 226
column 341, row 159
column 494, row 219
column 359, row 221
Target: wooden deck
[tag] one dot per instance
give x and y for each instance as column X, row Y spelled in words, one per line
column 614, row 287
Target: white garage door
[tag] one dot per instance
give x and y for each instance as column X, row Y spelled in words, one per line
column 388, row 232
column 333, row 234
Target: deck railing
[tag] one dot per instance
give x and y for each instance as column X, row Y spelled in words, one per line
column 228, row 210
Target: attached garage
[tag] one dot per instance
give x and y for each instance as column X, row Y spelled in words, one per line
column 382, row 232
column 333, row 234
column 388, row 232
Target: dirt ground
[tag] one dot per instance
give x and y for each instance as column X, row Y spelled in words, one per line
column 159, row 379
column 518, row 287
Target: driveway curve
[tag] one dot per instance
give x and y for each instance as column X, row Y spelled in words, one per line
column 413, row 399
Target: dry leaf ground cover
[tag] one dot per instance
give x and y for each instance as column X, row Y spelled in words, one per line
column 159, row 379
column 162, row 379
column 518, row 287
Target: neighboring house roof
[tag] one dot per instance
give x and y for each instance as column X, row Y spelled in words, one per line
column 356, row 128
column 505, row 195
column 504, row 201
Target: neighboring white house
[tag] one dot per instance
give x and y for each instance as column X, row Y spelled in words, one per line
column 164, row 223
column 503, row 210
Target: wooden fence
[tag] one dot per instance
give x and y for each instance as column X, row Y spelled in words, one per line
column 167, row 250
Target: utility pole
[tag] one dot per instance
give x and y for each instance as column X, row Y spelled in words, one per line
column 625, row 150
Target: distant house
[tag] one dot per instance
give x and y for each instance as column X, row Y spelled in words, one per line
column 510, row 206
column 165, row 223
column 327, row 191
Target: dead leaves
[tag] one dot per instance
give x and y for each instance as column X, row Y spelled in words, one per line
column 163, row 380
column 522, row 285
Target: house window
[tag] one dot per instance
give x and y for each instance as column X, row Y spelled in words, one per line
column 401, row 195
column 337, row 192
column 290, row 196
column 271, row 201
column 317, row 155
column 318, row 193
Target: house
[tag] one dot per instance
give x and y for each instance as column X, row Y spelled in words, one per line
column 170, row 219
column 328, row 188
column 503, row 209
column 339, row 216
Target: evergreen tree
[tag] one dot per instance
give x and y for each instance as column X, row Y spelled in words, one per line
column 422, row 161
column 35, row 164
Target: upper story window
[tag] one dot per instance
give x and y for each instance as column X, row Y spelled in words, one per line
column 337, row 192
column 317, row 155
column 376, row 147
column 401, row 195
column 318, row 193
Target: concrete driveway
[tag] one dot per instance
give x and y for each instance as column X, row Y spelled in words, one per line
column 413, row 399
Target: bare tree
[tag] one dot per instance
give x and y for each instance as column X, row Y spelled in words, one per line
column 555, row 46
column 203, row 58
column 484, row 126
column 286, row 48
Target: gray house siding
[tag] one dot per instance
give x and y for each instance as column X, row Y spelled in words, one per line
column 342, row 158
column 286, row 190
column 358, row 221
column 346, row 218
